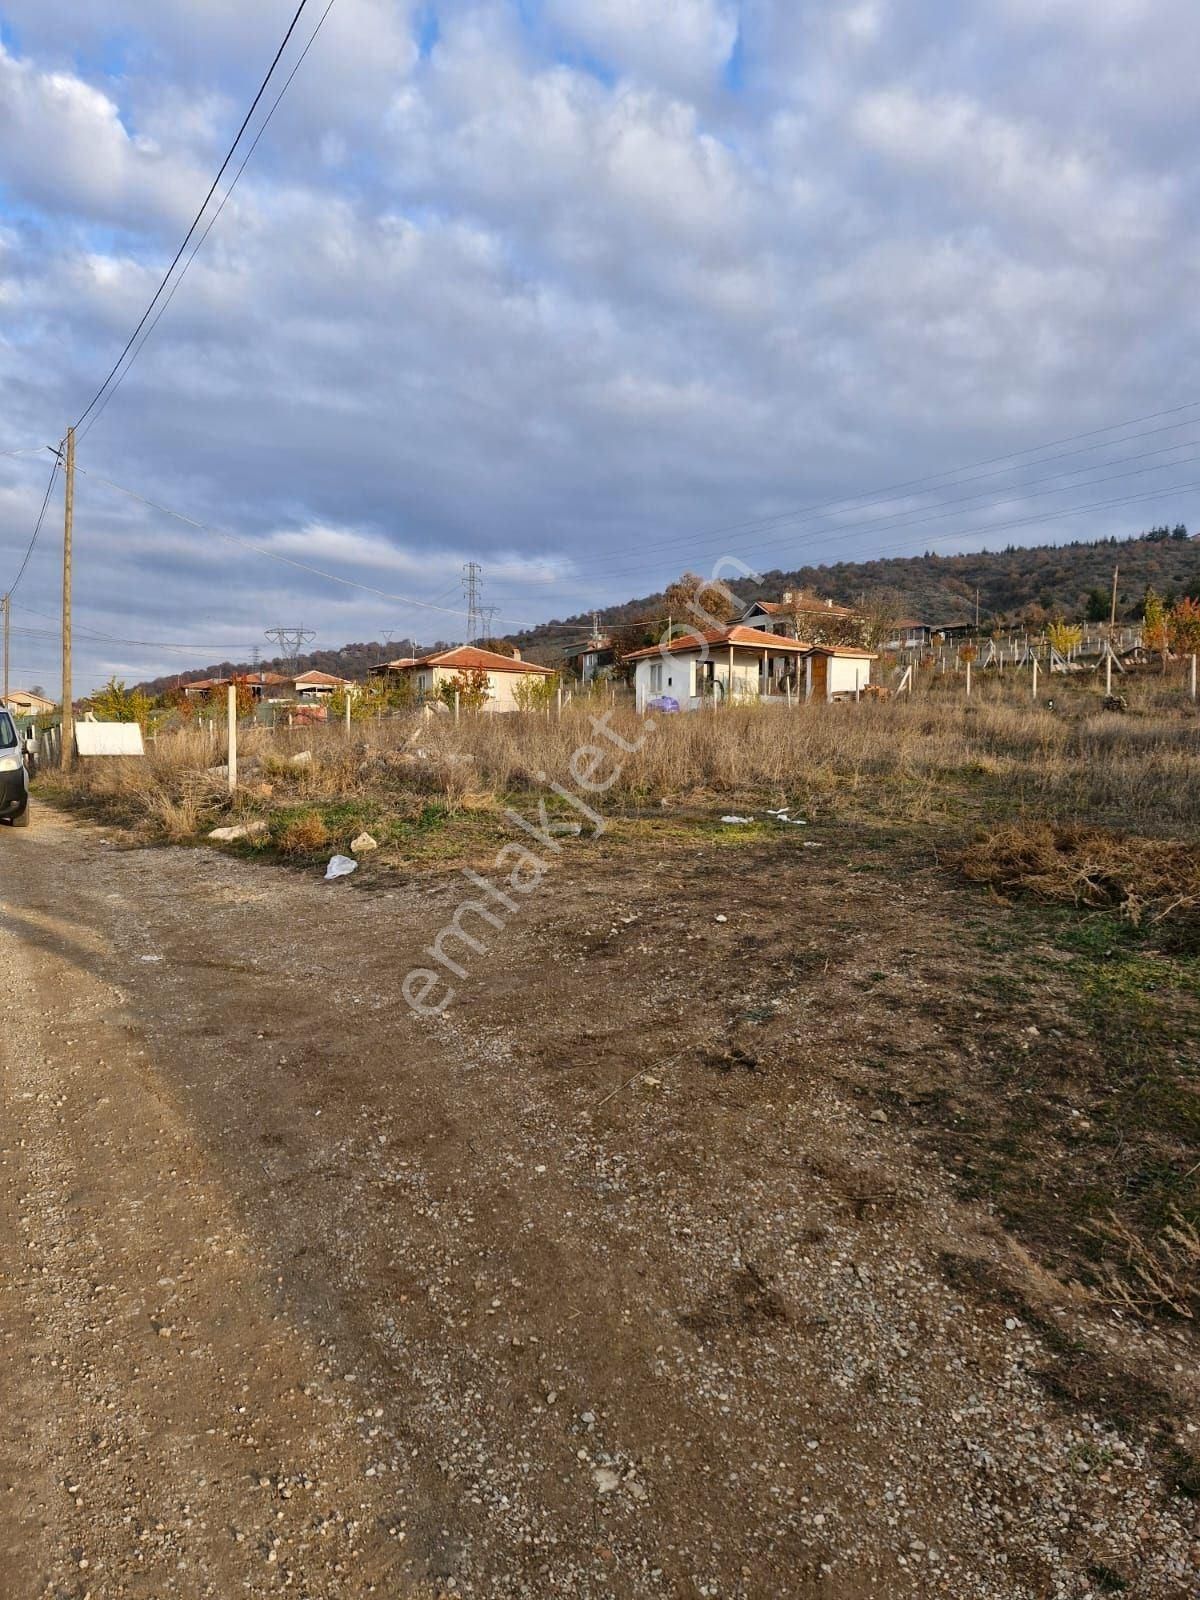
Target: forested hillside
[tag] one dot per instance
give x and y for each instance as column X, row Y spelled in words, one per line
column 1031, row 584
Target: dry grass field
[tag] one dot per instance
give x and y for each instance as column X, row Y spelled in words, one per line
column 935, row 758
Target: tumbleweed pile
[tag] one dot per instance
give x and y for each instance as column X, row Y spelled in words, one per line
column 1146, row 880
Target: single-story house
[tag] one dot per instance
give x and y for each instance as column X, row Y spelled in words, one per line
column 273, row 688
column 321, row 685
column 200, row 687
column 592, row 659
column 25, row 703
column 912, row 634
column 780, row 616
column 429, row 673
column 909, row 634
column 742, row 663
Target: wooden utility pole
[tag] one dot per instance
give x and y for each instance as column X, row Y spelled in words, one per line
column 1112, row 610
column 68, row 715
column 5, row 605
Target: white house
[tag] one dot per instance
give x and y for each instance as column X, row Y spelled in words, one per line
column 738, row 663
column 428, row 673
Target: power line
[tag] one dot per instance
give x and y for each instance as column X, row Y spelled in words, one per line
column 757, row 524
column 291, row 641
column 37, row 528
column 196, row 219
column 112, row 638
column 276, row 555
column 209, row 225
column 916, row 516
column 471, row 576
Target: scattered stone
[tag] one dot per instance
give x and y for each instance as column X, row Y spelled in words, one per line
column 241, row 830
column 363, row 844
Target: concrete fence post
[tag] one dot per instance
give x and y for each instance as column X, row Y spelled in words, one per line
column 232, row 738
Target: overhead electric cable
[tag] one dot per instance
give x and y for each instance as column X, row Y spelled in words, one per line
column 272, row 555
column 887, row 490
column 208, row 227
column 37, row 528
column 922, row 515
column 196, row 219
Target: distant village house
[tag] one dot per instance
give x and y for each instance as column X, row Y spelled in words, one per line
column 27, row 703
column 430, row 674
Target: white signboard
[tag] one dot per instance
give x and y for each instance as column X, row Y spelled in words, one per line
column 109, row 739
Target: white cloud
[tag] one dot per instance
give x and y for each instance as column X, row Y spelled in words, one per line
column 65, row 148
column 682, row 43
column 1011, row 169
column 554, row 294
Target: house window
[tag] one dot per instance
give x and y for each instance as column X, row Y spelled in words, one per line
column 655, row 677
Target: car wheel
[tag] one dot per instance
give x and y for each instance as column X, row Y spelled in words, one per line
column 22, row 820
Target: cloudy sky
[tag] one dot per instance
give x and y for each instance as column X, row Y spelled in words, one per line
column 585, row 290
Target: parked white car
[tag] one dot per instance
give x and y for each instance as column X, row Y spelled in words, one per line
column 14, row 779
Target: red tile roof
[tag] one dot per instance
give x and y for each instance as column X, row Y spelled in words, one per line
column 736, row 634
column 319, row 677
column 470, row 658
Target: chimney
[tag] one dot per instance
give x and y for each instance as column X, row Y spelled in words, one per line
column 788, row 596
column 829, row 605
column 516, row 654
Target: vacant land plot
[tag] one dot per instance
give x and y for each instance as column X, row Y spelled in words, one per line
column 773, row 1212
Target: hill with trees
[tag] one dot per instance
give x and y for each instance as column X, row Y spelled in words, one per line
column 1032, row 584
column 1017, row 584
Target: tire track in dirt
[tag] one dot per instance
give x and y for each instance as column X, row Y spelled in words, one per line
column 690, row 1339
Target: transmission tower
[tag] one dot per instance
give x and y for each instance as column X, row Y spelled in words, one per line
column 472, row 573
column 290, row 641
column 255, row 655
column 487, row 620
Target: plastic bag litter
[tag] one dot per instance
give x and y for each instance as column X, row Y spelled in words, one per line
column 737, row 819
column 340, row 867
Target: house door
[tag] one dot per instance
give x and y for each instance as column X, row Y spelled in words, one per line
column 820, row 677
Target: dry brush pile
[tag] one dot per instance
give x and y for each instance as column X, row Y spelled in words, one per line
column 1146, row 880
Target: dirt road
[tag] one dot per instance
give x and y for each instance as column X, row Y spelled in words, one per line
column 608, row 1282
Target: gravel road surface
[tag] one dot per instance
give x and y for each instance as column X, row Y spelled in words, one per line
column 587, row 1288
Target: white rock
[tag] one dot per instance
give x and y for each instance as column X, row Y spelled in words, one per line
column 243, row 830
column 364, row 844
